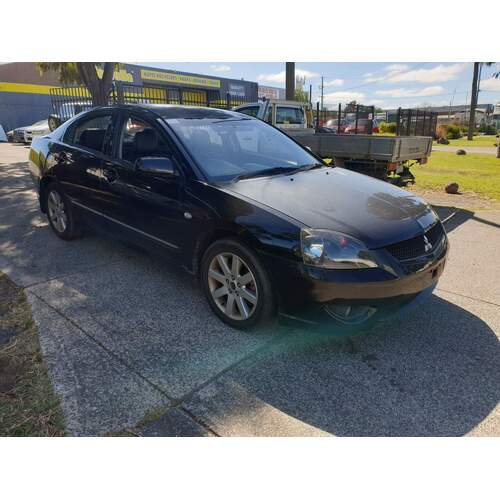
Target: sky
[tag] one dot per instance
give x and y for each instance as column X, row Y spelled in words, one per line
column 387, row 85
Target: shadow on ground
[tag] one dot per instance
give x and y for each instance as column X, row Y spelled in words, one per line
column 433, row 373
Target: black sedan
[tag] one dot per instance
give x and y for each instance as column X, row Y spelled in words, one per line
column 266, row 226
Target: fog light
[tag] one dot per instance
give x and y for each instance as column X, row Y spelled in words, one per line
column 350, row 314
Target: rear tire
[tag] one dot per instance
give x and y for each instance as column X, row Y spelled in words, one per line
column 236, row 285
column 60, row 213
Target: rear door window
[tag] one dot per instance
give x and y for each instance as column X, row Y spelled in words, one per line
column 91, row 133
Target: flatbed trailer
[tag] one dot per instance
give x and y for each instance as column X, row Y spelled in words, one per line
column 384, row 157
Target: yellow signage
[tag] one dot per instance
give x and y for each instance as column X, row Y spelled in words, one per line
column 179, row 78
column 25, row 88
column 120, row 75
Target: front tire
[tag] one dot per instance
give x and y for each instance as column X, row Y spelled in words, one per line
column 236, row 285
column 61, row 214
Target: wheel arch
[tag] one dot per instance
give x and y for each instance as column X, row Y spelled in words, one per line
column 243, row 236
column 44, row 184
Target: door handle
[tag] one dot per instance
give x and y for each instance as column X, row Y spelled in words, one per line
column 61, row 157
column 110, row 175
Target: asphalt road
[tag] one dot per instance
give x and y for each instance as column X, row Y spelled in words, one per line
column 130, row 342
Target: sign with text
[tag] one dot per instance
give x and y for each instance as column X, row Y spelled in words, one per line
column 178, row 78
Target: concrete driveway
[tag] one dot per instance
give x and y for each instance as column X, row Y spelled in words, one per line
column 131, row 343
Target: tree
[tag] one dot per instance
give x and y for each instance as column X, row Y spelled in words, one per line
column 300, row 93
column 350, row 107
column 473, row 101
column 85, row 73
column 475, row 94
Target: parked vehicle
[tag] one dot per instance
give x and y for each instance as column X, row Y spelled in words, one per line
column 333, row 124
column 265, row 224
column 26, row 134
column 363, row 126
column 17, row 134
column 37, row 129
column 386, row 158
column 65, row 111
column 280, row 113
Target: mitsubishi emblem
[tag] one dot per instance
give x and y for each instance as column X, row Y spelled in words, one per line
column 427, row 244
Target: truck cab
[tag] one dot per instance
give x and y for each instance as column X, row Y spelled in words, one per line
column 280, row 113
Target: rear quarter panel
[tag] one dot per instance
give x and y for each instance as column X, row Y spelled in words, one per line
column 39, row 151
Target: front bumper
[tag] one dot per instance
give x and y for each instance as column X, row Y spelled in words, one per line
column 307, row 294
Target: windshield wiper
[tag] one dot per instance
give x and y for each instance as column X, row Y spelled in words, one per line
column 225, row 120
column 305, row 168
column 262, row 173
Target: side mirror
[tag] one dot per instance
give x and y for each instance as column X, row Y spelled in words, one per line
column 155, row 165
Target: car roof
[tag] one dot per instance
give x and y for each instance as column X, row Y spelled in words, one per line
column 175, row 112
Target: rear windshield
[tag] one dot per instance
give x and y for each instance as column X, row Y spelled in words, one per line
column 289, row 115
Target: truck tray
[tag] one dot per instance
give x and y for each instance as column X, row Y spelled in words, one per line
column 366, row 147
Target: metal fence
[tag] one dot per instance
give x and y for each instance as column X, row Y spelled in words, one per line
column 359, row 119
column 351, row 119
column 416, row 122
column 71, row 100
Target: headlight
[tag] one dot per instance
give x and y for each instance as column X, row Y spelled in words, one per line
column 332, row 250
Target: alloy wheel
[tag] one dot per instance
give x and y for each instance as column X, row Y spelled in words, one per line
column 233, row 286
column 56, row 211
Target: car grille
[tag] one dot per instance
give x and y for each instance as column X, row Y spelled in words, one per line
column 415, row 247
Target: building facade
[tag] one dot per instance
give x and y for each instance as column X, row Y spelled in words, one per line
column 495, row 117
column 266, row 92
column 25, row 94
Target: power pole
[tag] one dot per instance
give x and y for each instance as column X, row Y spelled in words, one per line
column 473, row 101
column 451, row 103
column 322, row 88
column 290, row 81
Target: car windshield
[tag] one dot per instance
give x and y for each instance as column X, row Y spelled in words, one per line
column 234, row 148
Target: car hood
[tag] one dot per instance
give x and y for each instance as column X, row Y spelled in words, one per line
column 371, row 210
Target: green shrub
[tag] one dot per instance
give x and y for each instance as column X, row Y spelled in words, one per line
column 453, row 132
column 448, row 131
column 388, row 127
column 488, row 129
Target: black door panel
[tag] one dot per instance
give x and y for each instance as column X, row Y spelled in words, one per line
column 147, row 203
column 80, row 156
column 79, row 172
